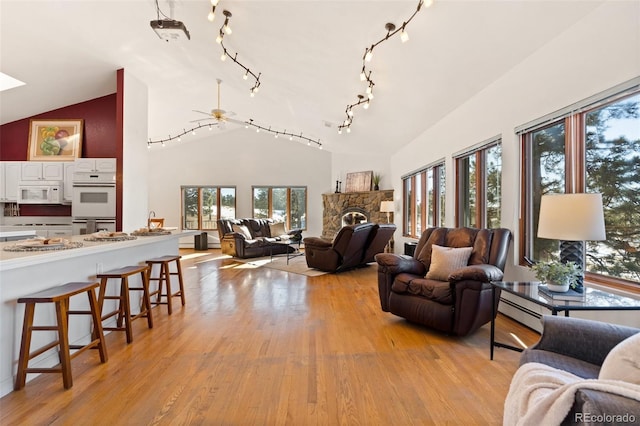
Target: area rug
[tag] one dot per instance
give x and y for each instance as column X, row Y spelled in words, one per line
column 297, row 265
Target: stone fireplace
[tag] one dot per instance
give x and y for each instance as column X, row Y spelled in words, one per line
column 351, row 208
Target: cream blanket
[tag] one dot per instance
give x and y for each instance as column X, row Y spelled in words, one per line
column 543, row 395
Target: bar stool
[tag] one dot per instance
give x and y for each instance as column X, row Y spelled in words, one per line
column 165, row 277
column 60, row 296
column 123, row 310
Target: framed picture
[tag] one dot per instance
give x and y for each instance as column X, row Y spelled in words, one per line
column 55, row 140
column 359, row 181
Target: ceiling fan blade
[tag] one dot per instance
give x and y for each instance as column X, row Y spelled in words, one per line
column 202, row 112
column 233, row 120
column 203, row 119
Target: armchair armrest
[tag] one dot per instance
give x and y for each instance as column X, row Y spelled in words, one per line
column 484, row 273
column 587, row 340
column 394, row 264
column 317, row 242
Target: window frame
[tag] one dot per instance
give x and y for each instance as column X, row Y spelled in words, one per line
column 410, row 207
column 573, row 118
column 200, row 189
column 479, row 153
column 289, row 188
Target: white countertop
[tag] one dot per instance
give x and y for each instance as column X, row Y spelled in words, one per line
column 12, row 259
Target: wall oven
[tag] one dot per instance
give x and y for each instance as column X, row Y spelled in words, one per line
column 94, row 195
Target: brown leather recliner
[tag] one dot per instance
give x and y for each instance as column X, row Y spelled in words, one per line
column 458, row 306
column 378, row 240
column 346, row 251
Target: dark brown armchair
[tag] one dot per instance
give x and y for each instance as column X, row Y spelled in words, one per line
column 458, row 302
column 346, row 251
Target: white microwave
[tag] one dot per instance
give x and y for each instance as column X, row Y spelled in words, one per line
column 42, row 192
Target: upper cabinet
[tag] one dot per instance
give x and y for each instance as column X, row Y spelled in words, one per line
column 10, row 173
column 35, row 170
column 95, row 165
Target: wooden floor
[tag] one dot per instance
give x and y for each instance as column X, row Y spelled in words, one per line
column 256, row 346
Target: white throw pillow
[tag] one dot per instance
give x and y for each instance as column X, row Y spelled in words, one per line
column 242, row 230
column 277, row 229
column 623, row 362
column 445, row 260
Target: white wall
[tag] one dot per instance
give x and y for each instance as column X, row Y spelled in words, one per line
column 239, row 158
column 134, row 155
column 360, row 162
column 595, row 54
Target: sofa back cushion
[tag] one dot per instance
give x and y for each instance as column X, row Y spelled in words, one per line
column 489, row 246
column 350, row 243
column 258, row 227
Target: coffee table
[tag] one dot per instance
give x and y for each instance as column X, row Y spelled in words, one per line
column 533, row 291
column 290, row 255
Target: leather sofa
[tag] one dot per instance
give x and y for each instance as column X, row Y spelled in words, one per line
column 255, row 238
column 580, row 347
column 352, row 247
column 460, row 300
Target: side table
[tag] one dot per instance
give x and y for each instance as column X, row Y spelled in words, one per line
column 593, row 300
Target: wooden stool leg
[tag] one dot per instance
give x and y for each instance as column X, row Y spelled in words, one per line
column 125, row 309
column 179, row 269
column 98, row 333
column 166, row 275
column 63, row 339
column 25, row 346
column 146, row 298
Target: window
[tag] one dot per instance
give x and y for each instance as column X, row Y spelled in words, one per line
column 201, row 204
column 478, row 186
column 593, row 147
column 423, row 199
column 282, row 204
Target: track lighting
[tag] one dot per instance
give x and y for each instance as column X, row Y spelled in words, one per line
column 214, row 2
column 404, row 37
column 365, row 75
column 212, row 15
column 225, row 29
column 277, row 133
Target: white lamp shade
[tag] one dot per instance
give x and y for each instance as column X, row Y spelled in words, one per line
column 386, row 207
column 571, row 217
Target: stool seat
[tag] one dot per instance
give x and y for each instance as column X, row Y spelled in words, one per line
column 123, row 311
column 60, row 296
column 164, row 280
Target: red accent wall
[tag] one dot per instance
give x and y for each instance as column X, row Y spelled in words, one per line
column 102, row 128
column 99, row 135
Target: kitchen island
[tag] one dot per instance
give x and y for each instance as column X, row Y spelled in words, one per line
column 26, row 272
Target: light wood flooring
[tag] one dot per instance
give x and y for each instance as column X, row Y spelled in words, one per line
column 256, row 346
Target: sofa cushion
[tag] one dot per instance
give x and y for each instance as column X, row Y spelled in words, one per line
column 445, row 260
column 242, row 230
column 622, row 363
column 575, row 366
column 438, row 291
column 277, row 229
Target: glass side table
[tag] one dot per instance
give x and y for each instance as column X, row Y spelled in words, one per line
column 534, row 291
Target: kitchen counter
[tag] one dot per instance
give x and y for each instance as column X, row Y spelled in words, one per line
column 23, row 273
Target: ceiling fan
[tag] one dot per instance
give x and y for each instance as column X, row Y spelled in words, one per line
column 219, row 115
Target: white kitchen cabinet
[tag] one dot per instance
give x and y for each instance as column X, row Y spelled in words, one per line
column 95, row 165
column 69, row 168
column 10, row 178
column 2, row 180
column 36, row 170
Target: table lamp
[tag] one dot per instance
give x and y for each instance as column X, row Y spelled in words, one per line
column 386, row 207
column 572, row 219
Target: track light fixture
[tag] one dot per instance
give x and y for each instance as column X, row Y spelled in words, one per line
column 276, row 133
column 225, row 30
column 365, row 74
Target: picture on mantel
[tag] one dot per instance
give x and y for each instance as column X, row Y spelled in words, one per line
column 359, row 181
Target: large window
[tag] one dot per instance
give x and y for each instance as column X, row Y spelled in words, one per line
column 594, row 148
column 478, row 186
column 282, row 204
column 202, row 206
column 423, row 199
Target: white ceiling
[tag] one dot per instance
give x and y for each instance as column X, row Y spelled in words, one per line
column 309, row 54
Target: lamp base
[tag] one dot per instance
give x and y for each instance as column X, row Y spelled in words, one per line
column 573, row 251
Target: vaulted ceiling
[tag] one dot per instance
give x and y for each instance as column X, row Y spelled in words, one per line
column 309, row 54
